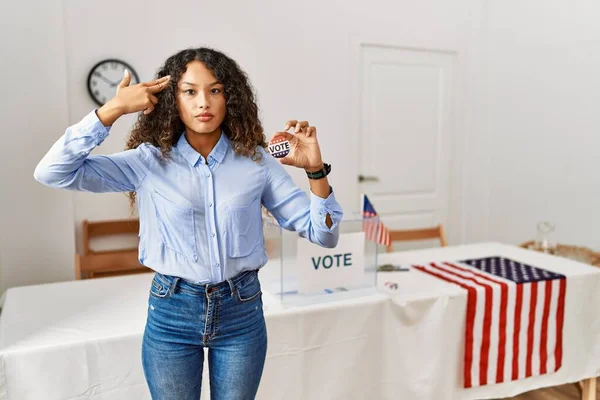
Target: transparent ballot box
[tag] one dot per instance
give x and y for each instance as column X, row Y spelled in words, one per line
column 300, row 272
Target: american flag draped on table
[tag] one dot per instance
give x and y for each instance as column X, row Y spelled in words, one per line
column 374, row 229
column 514, row 318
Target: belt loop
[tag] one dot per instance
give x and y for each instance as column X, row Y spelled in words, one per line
column 174, row 284
column 231, row 286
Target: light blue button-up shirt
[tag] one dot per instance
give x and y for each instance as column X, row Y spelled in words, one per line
column 199, row 219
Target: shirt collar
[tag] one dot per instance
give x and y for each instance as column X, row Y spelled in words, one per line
column 192, row 156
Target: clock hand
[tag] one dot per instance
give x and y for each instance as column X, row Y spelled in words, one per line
column 106, row 80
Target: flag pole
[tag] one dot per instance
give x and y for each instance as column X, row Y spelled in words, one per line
column 362, row 203
column 362, row 208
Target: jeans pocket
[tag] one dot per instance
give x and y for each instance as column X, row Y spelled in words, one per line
column 176, row 226
column 159, row 288
column 248, row 289
column 244, row 229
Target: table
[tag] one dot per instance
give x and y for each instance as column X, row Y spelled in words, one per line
column 82, row 339
column 428, row 305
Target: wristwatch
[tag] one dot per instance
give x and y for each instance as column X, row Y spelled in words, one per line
column 321, row 173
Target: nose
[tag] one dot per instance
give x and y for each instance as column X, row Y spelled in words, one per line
column 203, row 101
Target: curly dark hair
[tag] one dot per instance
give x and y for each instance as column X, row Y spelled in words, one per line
column 163, row 127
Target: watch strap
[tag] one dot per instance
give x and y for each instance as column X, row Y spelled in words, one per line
column 322, row 173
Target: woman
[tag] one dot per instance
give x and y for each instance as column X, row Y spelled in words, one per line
column 197, row 169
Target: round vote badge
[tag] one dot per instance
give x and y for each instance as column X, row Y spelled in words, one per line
column 279, row 147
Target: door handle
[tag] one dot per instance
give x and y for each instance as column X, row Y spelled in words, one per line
column 362, row 178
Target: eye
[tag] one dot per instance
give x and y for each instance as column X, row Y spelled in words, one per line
column 189, row 91
column 215, row 91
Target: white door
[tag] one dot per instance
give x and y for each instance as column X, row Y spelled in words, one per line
column 406, row 135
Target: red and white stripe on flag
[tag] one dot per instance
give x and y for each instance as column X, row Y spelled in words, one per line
column 375, row 230
column 514, row 318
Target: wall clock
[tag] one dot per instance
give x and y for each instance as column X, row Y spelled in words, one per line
column 105, row 76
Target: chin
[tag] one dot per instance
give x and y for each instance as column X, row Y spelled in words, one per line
column 204, row 128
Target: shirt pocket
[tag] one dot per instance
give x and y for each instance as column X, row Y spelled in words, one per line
column 244, row 229
column 176, row 226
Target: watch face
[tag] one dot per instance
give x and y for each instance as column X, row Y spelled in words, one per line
column 105, row 77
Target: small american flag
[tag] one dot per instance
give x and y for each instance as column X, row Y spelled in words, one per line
column 514, row 319
column 374, row 229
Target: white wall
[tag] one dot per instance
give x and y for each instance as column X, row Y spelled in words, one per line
column 539, row 120
column 36, row 235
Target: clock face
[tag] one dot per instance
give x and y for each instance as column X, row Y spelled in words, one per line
column 105, row 77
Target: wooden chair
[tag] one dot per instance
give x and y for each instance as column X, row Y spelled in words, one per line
column 97, row 264
column 436, row 232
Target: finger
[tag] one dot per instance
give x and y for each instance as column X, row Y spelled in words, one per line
column 157, row 81
column 311, row 131
column 285, row 135
column 301, row 126
column 148, row 110
column 290, row 123
column 158, row 87
column 126, row 79
column 286, row 161
column 153, row 99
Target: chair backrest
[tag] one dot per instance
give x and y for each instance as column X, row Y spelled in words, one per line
column 436, row 232
column 96, row 264
column 107, row 228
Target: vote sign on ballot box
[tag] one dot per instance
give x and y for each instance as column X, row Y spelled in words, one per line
column 321, row 269
column 309, row 273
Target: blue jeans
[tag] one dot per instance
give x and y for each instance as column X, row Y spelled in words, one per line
column 184, row 317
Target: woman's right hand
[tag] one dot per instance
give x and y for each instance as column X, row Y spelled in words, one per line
column 130, row 99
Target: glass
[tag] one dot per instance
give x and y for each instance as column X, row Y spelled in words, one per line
column 545, row 237
column 282, row 276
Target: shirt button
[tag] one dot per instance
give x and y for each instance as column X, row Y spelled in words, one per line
column 210, row 204
column 216, row 264
column 212, row 234
column 207, row 175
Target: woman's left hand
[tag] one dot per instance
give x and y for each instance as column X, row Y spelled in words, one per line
column 304, row 147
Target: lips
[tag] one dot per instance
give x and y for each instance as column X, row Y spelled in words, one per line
column 204, row 117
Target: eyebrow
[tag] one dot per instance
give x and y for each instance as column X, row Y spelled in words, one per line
column 193, row 84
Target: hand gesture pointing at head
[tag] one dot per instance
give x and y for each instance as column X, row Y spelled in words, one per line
column 140, row 97
column 130, row 99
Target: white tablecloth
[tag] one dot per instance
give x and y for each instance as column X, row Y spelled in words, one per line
column 82, row 339
column 424, row 327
